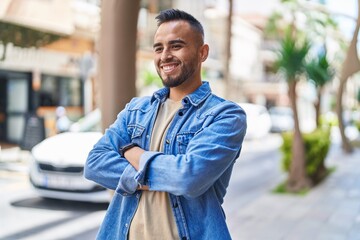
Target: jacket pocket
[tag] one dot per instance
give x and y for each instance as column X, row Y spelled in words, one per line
column 135, row 131
column 183, row 140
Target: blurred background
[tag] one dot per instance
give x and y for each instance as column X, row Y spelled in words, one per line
column 67, row 67
column 50, row 56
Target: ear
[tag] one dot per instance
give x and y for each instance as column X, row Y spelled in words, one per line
column 204, row 52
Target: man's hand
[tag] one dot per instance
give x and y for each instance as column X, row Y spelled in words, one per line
column 133, row 156
column 143, row 188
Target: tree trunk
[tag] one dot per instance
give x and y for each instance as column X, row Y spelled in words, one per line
column 117, row 56
column 227, row 78
column 317, row 106
column 346, row 146
column 298, row 179
column 351, row 65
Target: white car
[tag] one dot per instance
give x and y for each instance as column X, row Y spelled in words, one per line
column 282, row 119
column 258, row 120
column 56, row 170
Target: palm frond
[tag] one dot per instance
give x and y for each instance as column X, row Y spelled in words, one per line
column 319, row 70
column 291, row 56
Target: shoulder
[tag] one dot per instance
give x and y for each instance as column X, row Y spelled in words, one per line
column 219, row 106
column 225, row 115
column 137, row 103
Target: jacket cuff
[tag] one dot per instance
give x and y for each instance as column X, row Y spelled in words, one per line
column 127, row 184
column 145, row 160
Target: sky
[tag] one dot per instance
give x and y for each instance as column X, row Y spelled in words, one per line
column 344, row 8
column 341, row 8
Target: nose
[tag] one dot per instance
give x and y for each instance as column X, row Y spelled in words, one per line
column 165, row 56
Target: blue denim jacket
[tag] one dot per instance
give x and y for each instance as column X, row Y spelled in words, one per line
column 201, row 146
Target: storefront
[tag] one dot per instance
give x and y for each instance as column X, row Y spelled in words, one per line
column 15, row 103
column 21, row 96
column 42, row 62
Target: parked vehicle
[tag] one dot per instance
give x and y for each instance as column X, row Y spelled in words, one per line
column 57, row 166
column 282, row 119
column 258, row 120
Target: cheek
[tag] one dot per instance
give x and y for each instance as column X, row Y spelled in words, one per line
column 190, row 57
column 156, row 62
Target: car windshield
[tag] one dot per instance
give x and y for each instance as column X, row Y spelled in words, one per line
column 280, row 111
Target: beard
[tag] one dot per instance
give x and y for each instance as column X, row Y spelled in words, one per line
column 175, row 81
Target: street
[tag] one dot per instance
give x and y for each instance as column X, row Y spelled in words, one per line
column 27, row 216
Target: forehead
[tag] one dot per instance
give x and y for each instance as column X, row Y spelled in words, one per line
column 174, row 30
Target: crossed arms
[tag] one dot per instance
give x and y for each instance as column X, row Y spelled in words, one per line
column 208, row 155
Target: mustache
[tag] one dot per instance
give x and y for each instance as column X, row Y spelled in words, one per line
column 175, row 61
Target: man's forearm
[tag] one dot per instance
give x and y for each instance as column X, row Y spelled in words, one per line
column 144, row 188
column 133, row 156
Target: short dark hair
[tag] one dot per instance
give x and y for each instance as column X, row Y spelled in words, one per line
column 176, row 14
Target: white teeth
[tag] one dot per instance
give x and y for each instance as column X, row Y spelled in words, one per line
column 168, row 68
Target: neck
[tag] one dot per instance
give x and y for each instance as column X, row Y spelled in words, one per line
column 179, row 92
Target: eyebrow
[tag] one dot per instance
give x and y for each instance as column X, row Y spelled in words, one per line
column 170, row 42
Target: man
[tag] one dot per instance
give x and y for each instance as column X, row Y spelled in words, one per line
column 169, row 157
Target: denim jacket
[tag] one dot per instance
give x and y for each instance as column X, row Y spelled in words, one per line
column 201, row 146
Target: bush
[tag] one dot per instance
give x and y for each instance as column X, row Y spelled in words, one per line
column 317, row 145
column 357, row 124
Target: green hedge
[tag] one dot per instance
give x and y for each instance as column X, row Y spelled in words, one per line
column 357, row 124
column 317, row 145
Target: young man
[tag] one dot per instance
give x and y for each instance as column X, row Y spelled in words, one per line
column 169, row 157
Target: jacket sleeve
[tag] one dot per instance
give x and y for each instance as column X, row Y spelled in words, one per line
column 208, row 155
column 104, row 164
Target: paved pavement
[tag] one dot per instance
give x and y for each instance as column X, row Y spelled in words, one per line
column 10, row 154
column 330, row 211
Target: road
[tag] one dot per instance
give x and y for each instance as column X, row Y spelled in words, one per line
column 24, row 215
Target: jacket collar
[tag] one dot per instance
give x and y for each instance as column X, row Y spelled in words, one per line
column 195, row 98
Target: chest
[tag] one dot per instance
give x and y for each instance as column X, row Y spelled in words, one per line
column 185, row 124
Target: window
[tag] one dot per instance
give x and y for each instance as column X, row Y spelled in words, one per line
column 60, row 91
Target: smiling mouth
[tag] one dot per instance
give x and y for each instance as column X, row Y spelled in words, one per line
column 169, row 68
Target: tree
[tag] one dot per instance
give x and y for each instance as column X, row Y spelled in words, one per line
column 291, row 62
column 294, row 25
column 227, row 76
column 117, row 56
column 320, row 73
column 351, row 66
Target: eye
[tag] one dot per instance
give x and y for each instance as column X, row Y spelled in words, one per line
column 158, row 49
column 176, row 46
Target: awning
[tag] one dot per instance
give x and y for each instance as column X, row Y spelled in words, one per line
column 53, row 16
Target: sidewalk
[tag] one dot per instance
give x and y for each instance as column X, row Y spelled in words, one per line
column 12, row 158
column 330, row 211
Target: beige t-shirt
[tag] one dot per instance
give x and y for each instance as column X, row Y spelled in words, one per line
column 154, row 218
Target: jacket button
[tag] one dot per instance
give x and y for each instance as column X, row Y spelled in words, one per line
column 184, row 238
column 181, row 113
column 175, row 205
column 167, row 141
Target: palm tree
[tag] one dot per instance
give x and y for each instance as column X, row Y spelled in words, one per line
column 320, row 73
column 291, row 63
column 227, row 77
column 351, row 66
